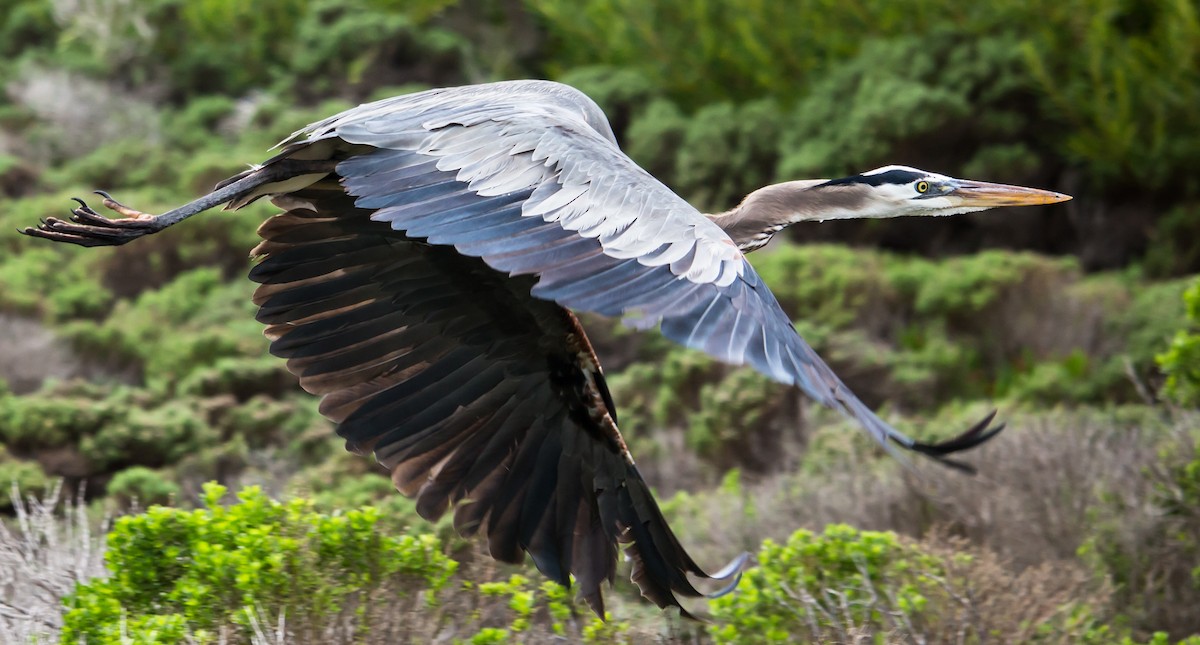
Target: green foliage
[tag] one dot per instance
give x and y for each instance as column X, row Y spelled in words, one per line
column 903, row 90
column 1162, row 638
column 853, row 569
column 845, row 584
column 188, row 325
column 1126, row 88
column 730, row 410
column 1181, row 361
column 1120, row 79
column 160, row 435
column 53, row 419
column 217, row 569
column 1155, row 567
column 142, row 485
column 525, row 599
column 104, row 430
column 44, row 281
column 125, row 162
column 973, row 284
column 348, row 480
column 724, row 50
column 25, row 24
column 24, row 475
column 342, row 46
column 225, row 46
column 1175, row 242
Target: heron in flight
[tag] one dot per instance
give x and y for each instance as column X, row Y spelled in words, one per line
column 422, row 281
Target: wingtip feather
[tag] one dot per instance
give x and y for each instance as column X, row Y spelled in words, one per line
column 976, row 435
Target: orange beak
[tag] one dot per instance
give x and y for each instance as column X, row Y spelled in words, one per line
column 987, row 195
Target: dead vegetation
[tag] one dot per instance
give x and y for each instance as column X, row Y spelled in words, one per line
column 48, row 546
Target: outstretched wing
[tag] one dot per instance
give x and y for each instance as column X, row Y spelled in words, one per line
column 474, row 394
column 527, row 176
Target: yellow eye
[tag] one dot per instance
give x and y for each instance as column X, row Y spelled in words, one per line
column 922, row 186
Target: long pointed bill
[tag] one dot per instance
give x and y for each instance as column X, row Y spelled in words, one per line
column 982, row 194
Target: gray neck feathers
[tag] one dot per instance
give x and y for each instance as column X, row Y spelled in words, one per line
column 770, row 209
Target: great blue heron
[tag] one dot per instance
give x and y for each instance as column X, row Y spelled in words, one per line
column 422, row 281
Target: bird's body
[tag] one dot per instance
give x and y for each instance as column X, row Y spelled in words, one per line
column 422, row 281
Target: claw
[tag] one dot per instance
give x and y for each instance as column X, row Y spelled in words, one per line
column 88, row 228
column 103, row 194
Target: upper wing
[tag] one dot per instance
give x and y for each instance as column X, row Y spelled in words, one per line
column 527, row 177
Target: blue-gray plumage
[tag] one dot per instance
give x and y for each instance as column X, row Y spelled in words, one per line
column 422, row 282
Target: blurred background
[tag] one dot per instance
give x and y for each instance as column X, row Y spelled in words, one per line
column 137, row 374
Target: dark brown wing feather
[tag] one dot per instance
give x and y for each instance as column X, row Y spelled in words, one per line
column 474, row 394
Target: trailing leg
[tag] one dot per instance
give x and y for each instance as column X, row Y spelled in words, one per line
column 89, row 228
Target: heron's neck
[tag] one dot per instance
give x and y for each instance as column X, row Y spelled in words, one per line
column 770, row 209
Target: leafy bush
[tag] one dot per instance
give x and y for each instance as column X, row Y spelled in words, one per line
column 1126, row 87
column 40, row 281
column 1181, row 362
column 923, row 89
column 228, row 573
column 527, row 600
column 844, row 584
column 91, row 429
column 143, row 486
column 218, row 570
column 794, row 583
column 187, row 325
column 1155, row 565
column 53, row 419
column 23, row 475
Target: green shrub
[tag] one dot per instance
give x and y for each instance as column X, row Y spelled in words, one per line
column 348, row 48
column 26, row 476
column 736, row 410
column 344, row 480
column 55, row 417
column 194, row 126
column 156, row 436
column 142, row 485
column 1126, row 87
column 216, row 570
column 1154, row 564
column 1181, row 361
column 909, row 89
column 849, row 571
column 244, row 377
column 1162, row 638
column 188, row 325
column 848, row 585
column 119, row 164
column 548, row 601
column 50, row 282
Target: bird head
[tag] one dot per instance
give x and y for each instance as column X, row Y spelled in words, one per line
column 891, row 191
column 895, row 191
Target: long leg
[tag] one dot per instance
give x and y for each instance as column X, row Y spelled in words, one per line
column 89, row 228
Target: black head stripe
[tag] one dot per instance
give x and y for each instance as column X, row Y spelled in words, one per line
column 878, row 179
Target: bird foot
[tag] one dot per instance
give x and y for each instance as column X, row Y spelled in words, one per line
column 89, row 228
